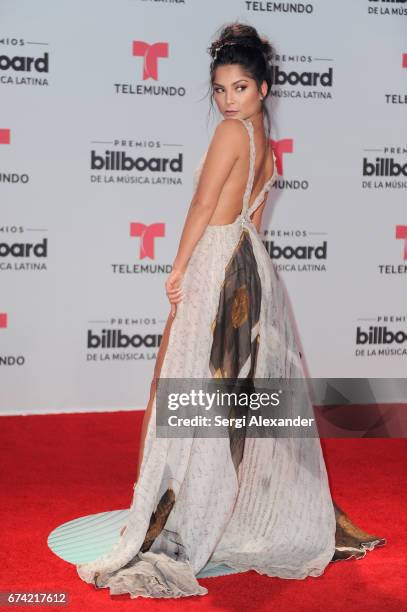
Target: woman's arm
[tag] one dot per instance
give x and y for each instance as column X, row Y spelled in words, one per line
column 256, row 216
column 228, row 140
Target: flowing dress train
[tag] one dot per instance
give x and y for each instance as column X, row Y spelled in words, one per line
column 267, row 507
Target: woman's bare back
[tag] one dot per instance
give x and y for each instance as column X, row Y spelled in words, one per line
column 230, row 201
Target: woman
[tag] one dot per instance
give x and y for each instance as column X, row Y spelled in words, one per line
column 261, row 504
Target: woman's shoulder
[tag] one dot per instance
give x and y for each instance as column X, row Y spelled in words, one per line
column 230, row 127
column 225, row 148
column 229, row 133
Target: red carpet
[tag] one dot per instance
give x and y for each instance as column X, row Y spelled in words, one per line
column 58, row 467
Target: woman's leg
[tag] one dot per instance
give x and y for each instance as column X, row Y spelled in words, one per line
column 157, row 370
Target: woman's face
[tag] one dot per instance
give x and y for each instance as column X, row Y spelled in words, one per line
column 235, row 93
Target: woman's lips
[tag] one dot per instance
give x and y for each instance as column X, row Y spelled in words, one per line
column 230, row 112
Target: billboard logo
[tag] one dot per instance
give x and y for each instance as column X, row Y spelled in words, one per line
column 19, row 63
column 306, row 78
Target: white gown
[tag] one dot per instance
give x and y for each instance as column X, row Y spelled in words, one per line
column 191, row 505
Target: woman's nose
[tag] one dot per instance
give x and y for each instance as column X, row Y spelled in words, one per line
column 229, row 97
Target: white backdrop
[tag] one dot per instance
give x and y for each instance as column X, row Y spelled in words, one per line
column 69, row 304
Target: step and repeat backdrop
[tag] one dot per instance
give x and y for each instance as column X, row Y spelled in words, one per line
column 105, row 114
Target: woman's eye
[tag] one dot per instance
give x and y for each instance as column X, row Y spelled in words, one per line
column 238, row 88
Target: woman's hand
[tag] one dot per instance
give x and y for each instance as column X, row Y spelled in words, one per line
column 173, row 288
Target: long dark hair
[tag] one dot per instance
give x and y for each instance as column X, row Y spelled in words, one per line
column 238, row 43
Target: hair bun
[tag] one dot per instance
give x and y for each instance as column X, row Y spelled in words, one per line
column 241, row 34
column 267, row 48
